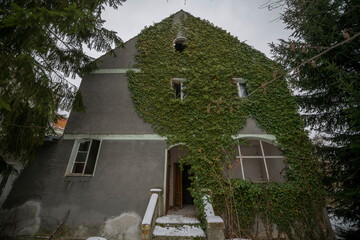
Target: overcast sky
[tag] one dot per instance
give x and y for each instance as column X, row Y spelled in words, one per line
column 242, row 18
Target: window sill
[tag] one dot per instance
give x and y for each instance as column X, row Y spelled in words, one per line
column 260, row 181
column 78, row 175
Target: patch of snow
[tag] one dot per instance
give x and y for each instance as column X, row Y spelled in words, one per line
column 184, row 231
column 174, row 219
column 150, row 209
column 214, row 219
column 125, row 226
column 339, row 224
column 96, row 238
column 238, row 239
column 155, row 190
column 208, row 209
column 27, row 218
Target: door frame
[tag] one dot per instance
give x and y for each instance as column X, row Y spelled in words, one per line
column 167, row 182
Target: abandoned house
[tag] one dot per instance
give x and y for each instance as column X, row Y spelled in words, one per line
column 115, row 171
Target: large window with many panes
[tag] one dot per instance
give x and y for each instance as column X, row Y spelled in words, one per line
column 257, row 161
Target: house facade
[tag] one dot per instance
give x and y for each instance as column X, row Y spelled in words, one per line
column 109, row 157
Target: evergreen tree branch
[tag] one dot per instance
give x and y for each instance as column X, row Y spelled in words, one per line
column 304, row 62
column 61, row 40
column 53, row 70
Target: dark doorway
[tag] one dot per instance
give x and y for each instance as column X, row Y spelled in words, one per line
column 177, row 186
column 186, row 183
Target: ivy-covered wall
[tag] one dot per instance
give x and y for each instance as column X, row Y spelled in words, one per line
column 212, row 113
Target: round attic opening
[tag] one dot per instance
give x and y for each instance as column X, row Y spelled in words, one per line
column 179, row 44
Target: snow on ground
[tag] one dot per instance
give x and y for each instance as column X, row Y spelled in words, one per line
column 183, row 231
column 174, row 219
column 340, row 223
column 238, row 239
column 208, row 208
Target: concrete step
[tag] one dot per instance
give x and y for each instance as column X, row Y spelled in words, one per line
column 185, row 232
column 176, row 220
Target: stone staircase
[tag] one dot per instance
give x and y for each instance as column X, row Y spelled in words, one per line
column 178, row 227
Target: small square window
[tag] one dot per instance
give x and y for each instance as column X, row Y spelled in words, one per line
column 241, row 87
column 178, row 85
column 83, row 158
column 242, row 91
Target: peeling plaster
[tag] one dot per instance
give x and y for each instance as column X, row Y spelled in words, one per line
column 24, row 219
column 124, row 227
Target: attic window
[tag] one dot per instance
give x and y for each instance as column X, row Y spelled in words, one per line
column 178, row 85
column 84, row 157
column 241, row 87
column 179, row 44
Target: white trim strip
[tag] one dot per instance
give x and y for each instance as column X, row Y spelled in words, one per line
column 115, row 70
column 67, row 136
column 266, row 168
column 115, row 136
column 268, row 137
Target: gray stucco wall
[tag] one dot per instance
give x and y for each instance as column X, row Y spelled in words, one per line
column 109, row 108
column 123, row 58
column 251, row 127
column 125, row 172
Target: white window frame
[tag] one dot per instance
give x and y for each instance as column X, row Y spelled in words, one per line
column 182, row 87
column 73, row 156
column 263, row 156
column 239, row 82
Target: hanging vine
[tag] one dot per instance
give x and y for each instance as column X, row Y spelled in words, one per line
column 212, row 113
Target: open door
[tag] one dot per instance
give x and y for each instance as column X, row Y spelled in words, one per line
column 178, row 203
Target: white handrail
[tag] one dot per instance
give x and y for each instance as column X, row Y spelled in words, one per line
column 150, row 210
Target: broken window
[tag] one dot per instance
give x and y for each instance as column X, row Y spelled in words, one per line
column 179, row 44
column 257, row 161
column 178, row 85
column 241, row 87
column 83, row 161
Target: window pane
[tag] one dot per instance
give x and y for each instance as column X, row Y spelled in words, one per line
column 84, row 146
column 275, row 166
column 243, row 90
column 270, row 150
column 254, row 169
column 90, row 165
column 233, row 170
column 177, row 89
column 78, row 167
column 81, row 157
column 251, row 148
column 183, row 87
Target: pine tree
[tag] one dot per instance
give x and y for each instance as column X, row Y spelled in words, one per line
column 322, row 56
column 41, row 45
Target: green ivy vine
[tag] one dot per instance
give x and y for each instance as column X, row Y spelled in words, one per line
column 212, row 113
